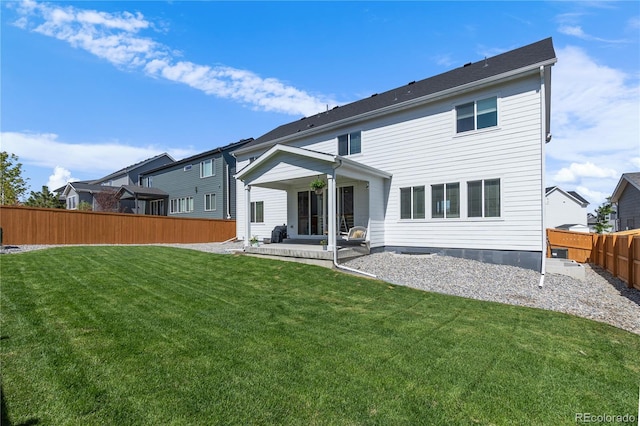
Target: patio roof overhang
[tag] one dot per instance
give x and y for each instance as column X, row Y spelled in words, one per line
column 283, row 166
column 134, row 192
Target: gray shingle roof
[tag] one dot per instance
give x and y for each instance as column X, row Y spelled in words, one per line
column 535, row 53
column 578, row 197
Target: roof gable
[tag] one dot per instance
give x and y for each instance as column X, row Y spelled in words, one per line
column 632, row 179
column 533, row 54
column 198, row 157
column 135, row 166
column 572, row 195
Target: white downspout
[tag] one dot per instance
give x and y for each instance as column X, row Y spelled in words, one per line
column 228, row 191
column 247, row 213
column 334, row 229
column 543, row 141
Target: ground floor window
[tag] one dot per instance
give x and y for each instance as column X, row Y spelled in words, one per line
column 412, row 202
column 209, row 202
column 181, row 205
column 483, row 198
column 156, row 208
column 72, row 202
column 257, row 211
column 445, row 200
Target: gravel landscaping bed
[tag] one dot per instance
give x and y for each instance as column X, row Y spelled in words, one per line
column 600, row 297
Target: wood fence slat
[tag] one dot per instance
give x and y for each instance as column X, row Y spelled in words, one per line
column 28, row 225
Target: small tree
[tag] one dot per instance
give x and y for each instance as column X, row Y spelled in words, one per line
column 14, row 186
column 84, row 206
column 107, row 200
column 603, row 214
column 45, row 198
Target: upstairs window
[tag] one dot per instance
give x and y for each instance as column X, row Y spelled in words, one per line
column 350, row 143
column 207, row 168
column 477, row 115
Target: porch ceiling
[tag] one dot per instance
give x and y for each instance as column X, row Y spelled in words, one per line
column 283, row 166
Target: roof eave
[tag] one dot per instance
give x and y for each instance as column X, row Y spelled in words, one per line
column 507, row 76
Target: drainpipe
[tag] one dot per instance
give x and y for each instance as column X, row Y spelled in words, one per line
column 228, row 191
column 543, row 141
column 335, row 246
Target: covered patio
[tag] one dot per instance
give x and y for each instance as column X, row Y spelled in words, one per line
column 353, row 194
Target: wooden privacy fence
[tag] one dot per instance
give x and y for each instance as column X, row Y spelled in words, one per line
column 618, row 253
column 26, row 225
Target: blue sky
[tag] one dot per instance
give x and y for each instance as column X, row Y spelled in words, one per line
column 91, row 87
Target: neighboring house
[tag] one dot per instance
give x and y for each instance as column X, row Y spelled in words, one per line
column 626, row 197
column 199, row 186
column 565, row 210
column 75, row 192
column 452, row 164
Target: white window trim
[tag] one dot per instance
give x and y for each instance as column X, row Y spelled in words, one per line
column 483, row 217
column 411, row 219
column 475, row 100
column 461, row 202
column 214, row 204
column 254, row 211
column 348, row 134
column 213, row 168
column 188, row 205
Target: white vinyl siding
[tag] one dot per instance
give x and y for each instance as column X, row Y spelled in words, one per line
column 420, row 146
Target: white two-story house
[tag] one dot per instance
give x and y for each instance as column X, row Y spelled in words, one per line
column 452, row 164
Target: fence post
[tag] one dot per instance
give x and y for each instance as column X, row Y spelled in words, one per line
column 630, row 261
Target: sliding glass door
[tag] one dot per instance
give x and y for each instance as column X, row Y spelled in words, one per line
column 311, row 213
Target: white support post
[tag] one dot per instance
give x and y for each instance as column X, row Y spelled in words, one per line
column 331, row 211
column 247, row 215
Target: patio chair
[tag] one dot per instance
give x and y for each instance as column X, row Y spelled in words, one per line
column 357, row 234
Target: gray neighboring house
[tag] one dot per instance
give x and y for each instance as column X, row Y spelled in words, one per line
column 73, row 193
column 626, row 197
column 199, row 186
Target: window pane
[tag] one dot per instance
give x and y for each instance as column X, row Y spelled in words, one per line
column 487, row 113
column 474, row 198
column 206, row 168
column 343, row 145
column 260, row 211
column 437, row 201
column 355, row 143
column 453, row 200
column 405, row 203
column 492, row 198
column 465, row 117
column 253, row 212
column 418, row 202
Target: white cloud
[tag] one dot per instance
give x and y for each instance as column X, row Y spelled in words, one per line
column 576, row 171
column 577, row 31
column 46, row 150
column 595, row 126
column 595, row 198
column 115, row 38
column 59, row 178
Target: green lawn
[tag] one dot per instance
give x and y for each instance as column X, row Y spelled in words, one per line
column 155, row 335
